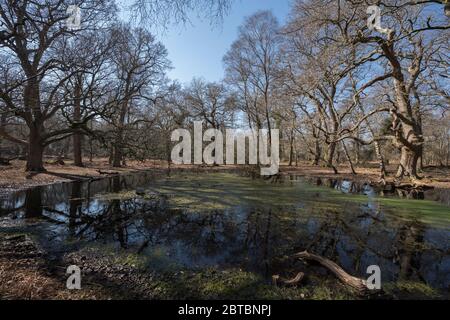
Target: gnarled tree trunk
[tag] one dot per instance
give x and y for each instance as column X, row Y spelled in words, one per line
column 407, row 124
column 409, row 162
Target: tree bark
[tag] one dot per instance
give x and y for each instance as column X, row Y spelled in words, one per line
column 408, row 162
column 35, row 151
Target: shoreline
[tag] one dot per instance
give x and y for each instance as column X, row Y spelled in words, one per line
column 13, row 178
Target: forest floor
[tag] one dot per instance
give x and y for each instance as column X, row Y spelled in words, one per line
column 14, row 177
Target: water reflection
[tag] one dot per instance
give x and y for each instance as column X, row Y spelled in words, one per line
column 254, row 238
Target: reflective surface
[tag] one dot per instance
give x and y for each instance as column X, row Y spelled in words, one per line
column 225, row 220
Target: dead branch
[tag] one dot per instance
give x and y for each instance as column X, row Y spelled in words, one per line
column 355, row 283
column 288, row 282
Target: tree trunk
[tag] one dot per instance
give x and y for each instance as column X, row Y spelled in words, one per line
column 36, row 148
column 77, row 150
column 117, row 153
column 291, row 148
column 91, row 151
column 349, row 159
column 35, row 123
column 117, row 157
column 118, row 146
column 77, row 137
column 408, row 162
column 447, row 161
column 318, row 152
column 330, row 156
column 380, row 159
column 357, row 151
column 406, row 121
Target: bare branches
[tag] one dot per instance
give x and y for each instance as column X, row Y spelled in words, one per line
column 161, row 13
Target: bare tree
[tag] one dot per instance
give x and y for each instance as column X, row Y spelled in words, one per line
column 399, row 48
column 254, row 63
column 86, row 59
column 162, row 12
column 32, row 31
column 210, row 102
column 139, row 63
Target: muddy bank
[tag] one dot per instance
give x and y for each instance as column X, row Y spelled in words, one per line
column 13, row 177
column 435, row 177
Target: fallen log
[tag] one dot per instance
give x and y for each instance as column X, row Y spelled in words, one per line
column 355, row 283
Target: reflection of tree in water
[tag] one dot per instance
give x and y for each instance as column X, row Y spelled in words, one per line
column 249, row 237
column 410, row 194
column 256, row 239
column 33, row 203
column 75, row 203
column 408, row 252
column 357, row 241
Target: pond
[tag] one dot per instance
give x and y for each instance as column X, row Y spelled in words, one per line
column 226, row 220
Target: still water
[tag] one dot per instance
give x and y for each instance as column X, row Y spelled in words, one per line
column 225, row 220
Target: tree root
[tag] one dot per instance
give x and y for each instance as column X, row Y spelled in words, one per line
column 353, row 282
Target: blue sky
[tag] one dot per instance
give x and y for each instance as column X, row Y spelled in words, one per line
column 196, row 49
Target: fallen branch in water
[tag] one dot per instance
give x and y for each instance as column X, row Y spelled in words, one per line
column 355, row 283
column 288, row 282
